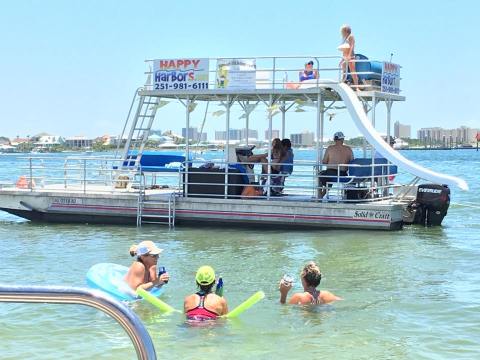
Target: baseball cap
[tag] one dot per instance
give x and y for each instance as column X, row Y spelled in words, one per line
column 205, row 275
column 338, row 136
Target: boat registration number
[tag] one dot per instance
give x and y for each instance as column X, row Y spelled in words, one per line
column 66, row 201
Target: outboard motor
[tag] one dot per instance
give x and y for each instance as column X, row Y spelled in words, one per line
column 431, row 204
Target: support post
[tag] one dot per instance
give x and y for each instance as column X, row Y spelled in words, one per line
column 283, row 109
column 227, row 146
column 187, row 145
column 319, row 142
column 269, row 159
column 389, row 104
column 247, row 120
column 373, row 117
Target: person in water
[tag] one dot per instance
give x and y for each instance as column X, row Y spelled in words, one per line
column 205, row 305
column 143, row 272
column 311, row 277
column 348, row 54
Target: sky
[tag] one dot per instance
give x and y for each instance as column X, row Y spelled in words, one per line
column 71, row 67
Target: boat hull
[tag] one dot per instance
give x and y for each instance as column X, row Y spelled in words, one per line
column 121, row 208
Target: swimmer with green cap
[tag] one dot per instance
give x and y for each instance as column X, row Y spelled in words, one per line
column 205, row 305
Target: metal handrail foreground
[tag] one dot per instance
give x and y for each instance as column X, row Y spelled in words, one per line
column 74, row 295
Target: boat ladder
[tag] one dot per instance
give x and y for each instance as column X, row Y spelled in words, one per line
column 160, row 211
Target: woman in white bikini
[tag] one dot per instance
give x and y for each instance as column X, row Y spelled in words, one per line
column 348, row 52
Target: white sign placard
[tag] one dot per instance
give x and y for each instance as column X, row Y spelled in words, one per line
column 238, row 74
column 391, row 78
column 180, row 74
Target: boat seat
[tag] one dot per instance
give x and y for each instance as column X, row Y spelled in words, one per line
column 152, row 161
column 360, row 171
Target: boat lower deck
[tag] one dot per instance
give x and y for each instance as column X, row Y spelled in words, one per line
column 121, row 206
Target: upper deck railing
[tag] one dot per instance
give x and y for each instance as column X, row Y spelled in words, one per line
column 266, row 73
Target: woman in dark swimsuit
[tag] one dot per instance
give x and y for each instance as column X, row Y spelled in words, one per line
column 205, row 305
column 143, row 272
column 311, row 277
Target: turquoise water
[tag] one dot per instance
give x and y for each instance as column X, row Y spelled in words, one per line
column 411, row 294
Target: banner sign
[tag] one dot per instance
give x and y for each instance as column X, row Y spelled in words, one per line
column 180, row 74
column 238, row 74
column 391, row 78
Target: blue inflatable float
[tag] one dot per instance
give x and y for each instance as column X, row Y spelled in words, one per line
column 109, row 277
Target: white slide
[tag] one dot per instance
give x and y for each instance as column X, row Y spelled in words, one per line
column 360, row 118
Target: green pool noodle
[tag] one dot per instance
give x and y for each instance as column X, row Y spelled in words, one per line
column 162, row 306
column 247, row 304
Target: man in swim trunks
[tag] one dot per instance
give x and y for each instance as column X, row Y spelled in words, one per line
column 311, row 277
column 143, row 272
column 205, row 305
column 335, row 155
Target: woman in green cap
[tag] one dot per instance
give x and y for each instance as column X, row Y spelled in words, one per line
column 205, row 305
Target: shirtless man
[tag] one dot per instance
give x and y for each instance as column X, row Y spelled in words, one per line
column 335, row 155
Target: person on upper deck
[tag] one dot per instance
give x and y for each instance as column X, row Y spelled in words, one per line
column 335, row 155
column 348, row 54
column 143, row 272
column 205, row 305
column 308, row 73
column 311, row 277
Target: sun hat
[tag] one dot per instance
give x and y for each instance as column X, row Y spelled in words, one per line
column 338, row 136
column 205, row 275
column 147, row 247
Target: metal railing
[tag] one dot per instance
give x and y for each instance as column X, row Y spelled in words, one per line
column 88, row 174
column 100, row 175
column 279, row 72
column 217, row 180
column 72, row 295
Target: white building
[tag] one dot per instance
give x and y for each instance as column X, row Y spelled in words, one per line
column 305, row 138
column 461, row 135
column 275, row 134
column 78, row 142
column 402, row 130
column 46, row 140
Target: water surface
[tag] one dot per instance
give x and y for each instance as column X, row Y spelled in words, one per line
column 411, row 294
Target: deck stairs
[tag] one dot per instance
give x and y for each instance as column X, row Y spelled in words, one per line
column 140, row 127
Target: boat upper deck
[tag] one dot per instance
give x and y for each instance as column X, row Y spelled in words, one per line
column 290, row 78
column 305, row 94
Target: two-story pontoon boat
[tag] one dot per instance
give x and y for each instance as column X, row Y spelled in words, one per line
column 136, row 186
